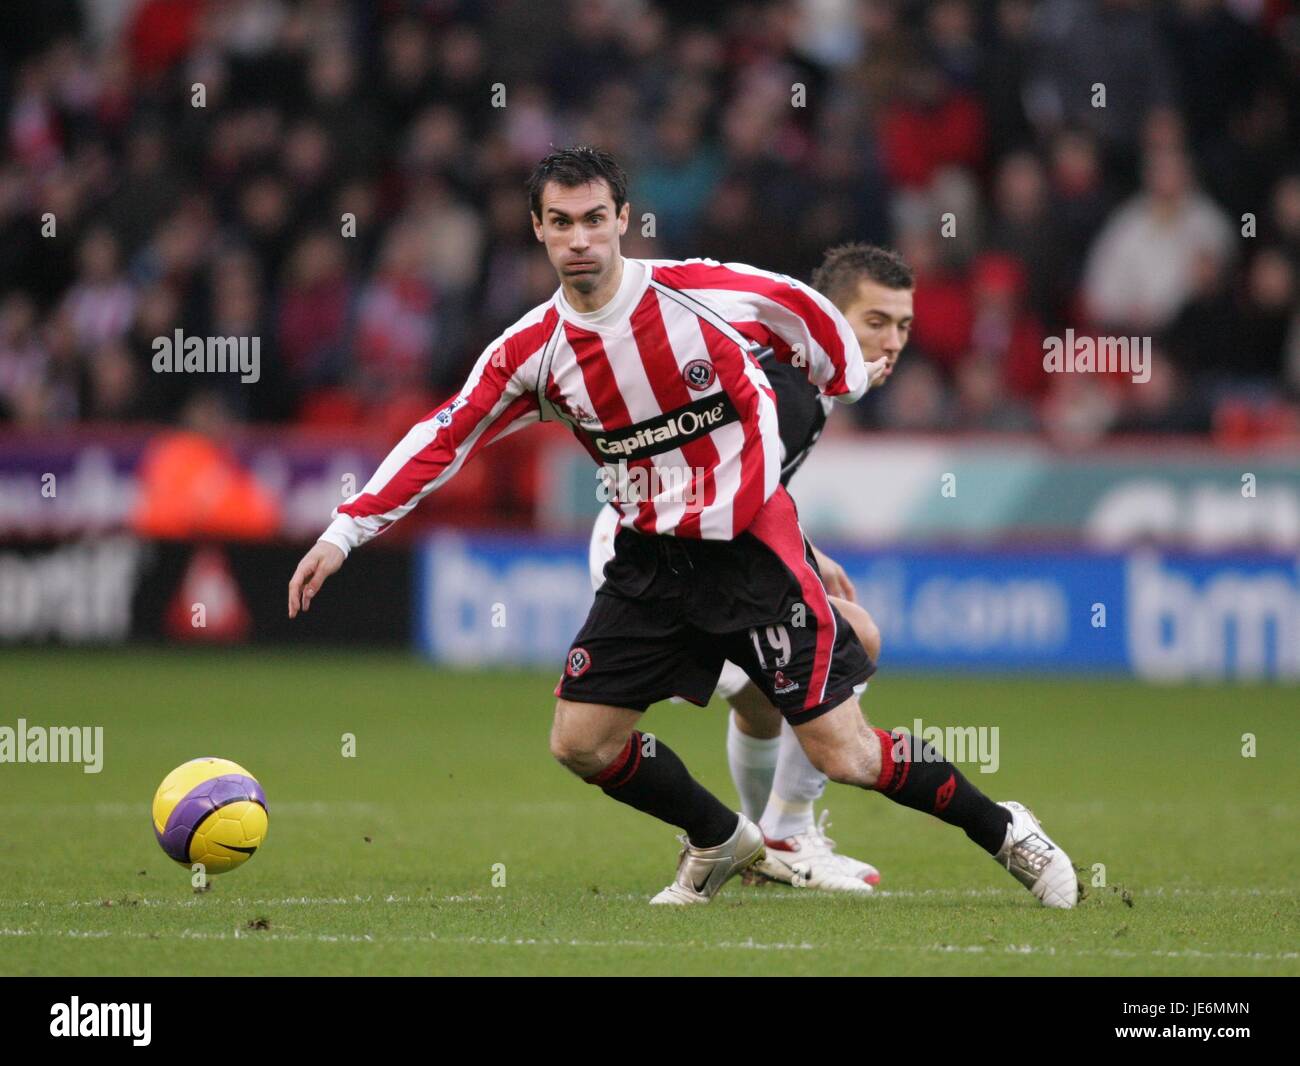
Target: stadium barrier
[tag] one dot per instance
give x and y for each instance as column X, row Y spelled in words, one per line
column 877, row 489
column 112, row 589
column 1155, row 616
column 262, row 483
column 517, row 600
column 865, row 489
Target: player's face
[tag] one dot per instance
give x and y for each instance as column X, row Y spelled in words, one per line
column 580, row 229
column 881, row 319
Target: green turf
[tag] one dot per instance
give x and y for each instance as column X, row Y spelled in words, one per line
column 384, row 863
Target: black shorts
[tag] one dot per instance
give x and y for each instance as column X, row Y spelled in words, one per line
column 672, row 611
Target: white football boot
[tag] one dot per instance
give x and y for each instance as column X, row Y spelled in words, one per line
column 1035, row 861
column 809, row 860
column 702, row 871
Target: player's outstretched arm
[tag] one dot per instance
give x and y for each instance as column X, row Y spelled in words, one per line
column 833, row 576
column 498, row 398
column 488, row 408
column 323, row 559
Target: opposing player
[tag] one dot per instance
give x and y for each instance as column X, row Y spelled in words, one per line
column 641, row 361
column 777, row 784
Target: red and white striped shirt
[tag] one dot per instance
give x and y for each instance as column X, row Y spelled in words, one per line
column 661, row 378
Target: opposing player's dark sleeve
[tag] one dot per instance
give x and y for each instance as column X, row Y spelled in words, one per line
column 800, row 412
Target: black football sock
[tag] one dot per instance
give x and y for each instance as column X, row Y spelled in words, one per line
column 914, row 774
column 651, row 778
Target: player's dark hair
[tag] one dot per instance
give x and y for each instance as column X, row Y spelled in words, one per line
column 574, row 166
column 847, row 264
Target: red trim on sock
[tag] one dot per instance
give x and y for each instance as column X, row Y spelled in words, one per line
column 636, row 763
column 887, row 764
column 613, row 776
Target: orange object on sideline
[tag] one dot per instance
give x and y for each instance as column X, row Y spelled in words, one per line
column 191, row 486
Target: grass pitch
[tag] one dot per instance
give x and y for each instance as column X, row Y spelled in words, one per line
column 385, row 863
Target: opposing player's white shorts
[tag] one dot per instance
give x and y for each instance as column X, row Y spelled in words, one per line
column 601, row 551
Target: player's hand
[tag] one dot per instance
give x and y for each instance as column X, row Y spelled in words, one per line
column 878, row 372
column 834, row 578
column 323, row 559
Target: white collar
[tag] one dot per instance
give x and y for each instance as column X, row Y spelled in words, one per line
column 636, row 276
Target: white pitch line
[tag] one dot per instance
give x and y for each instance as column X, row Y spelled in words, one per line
column 787, row 893
column 1179, row 890
column 207, row 901
column 428, row 938
column 1112, row 953
column 771, row 893
column 726, row 945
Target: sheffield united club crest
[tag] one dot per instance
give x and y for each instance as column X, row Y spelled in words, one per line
column 698, row 374
column 578, row 662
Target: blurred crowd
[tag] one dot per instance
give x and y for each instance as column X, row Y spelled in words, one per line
column 344, row 179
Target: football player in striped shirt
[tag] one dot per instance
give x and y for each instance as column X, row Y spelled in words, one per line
column 647, row 364
column 777, row 783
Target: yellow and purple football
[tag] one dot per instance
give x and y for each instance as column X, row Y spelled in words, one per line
column 210, row 811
